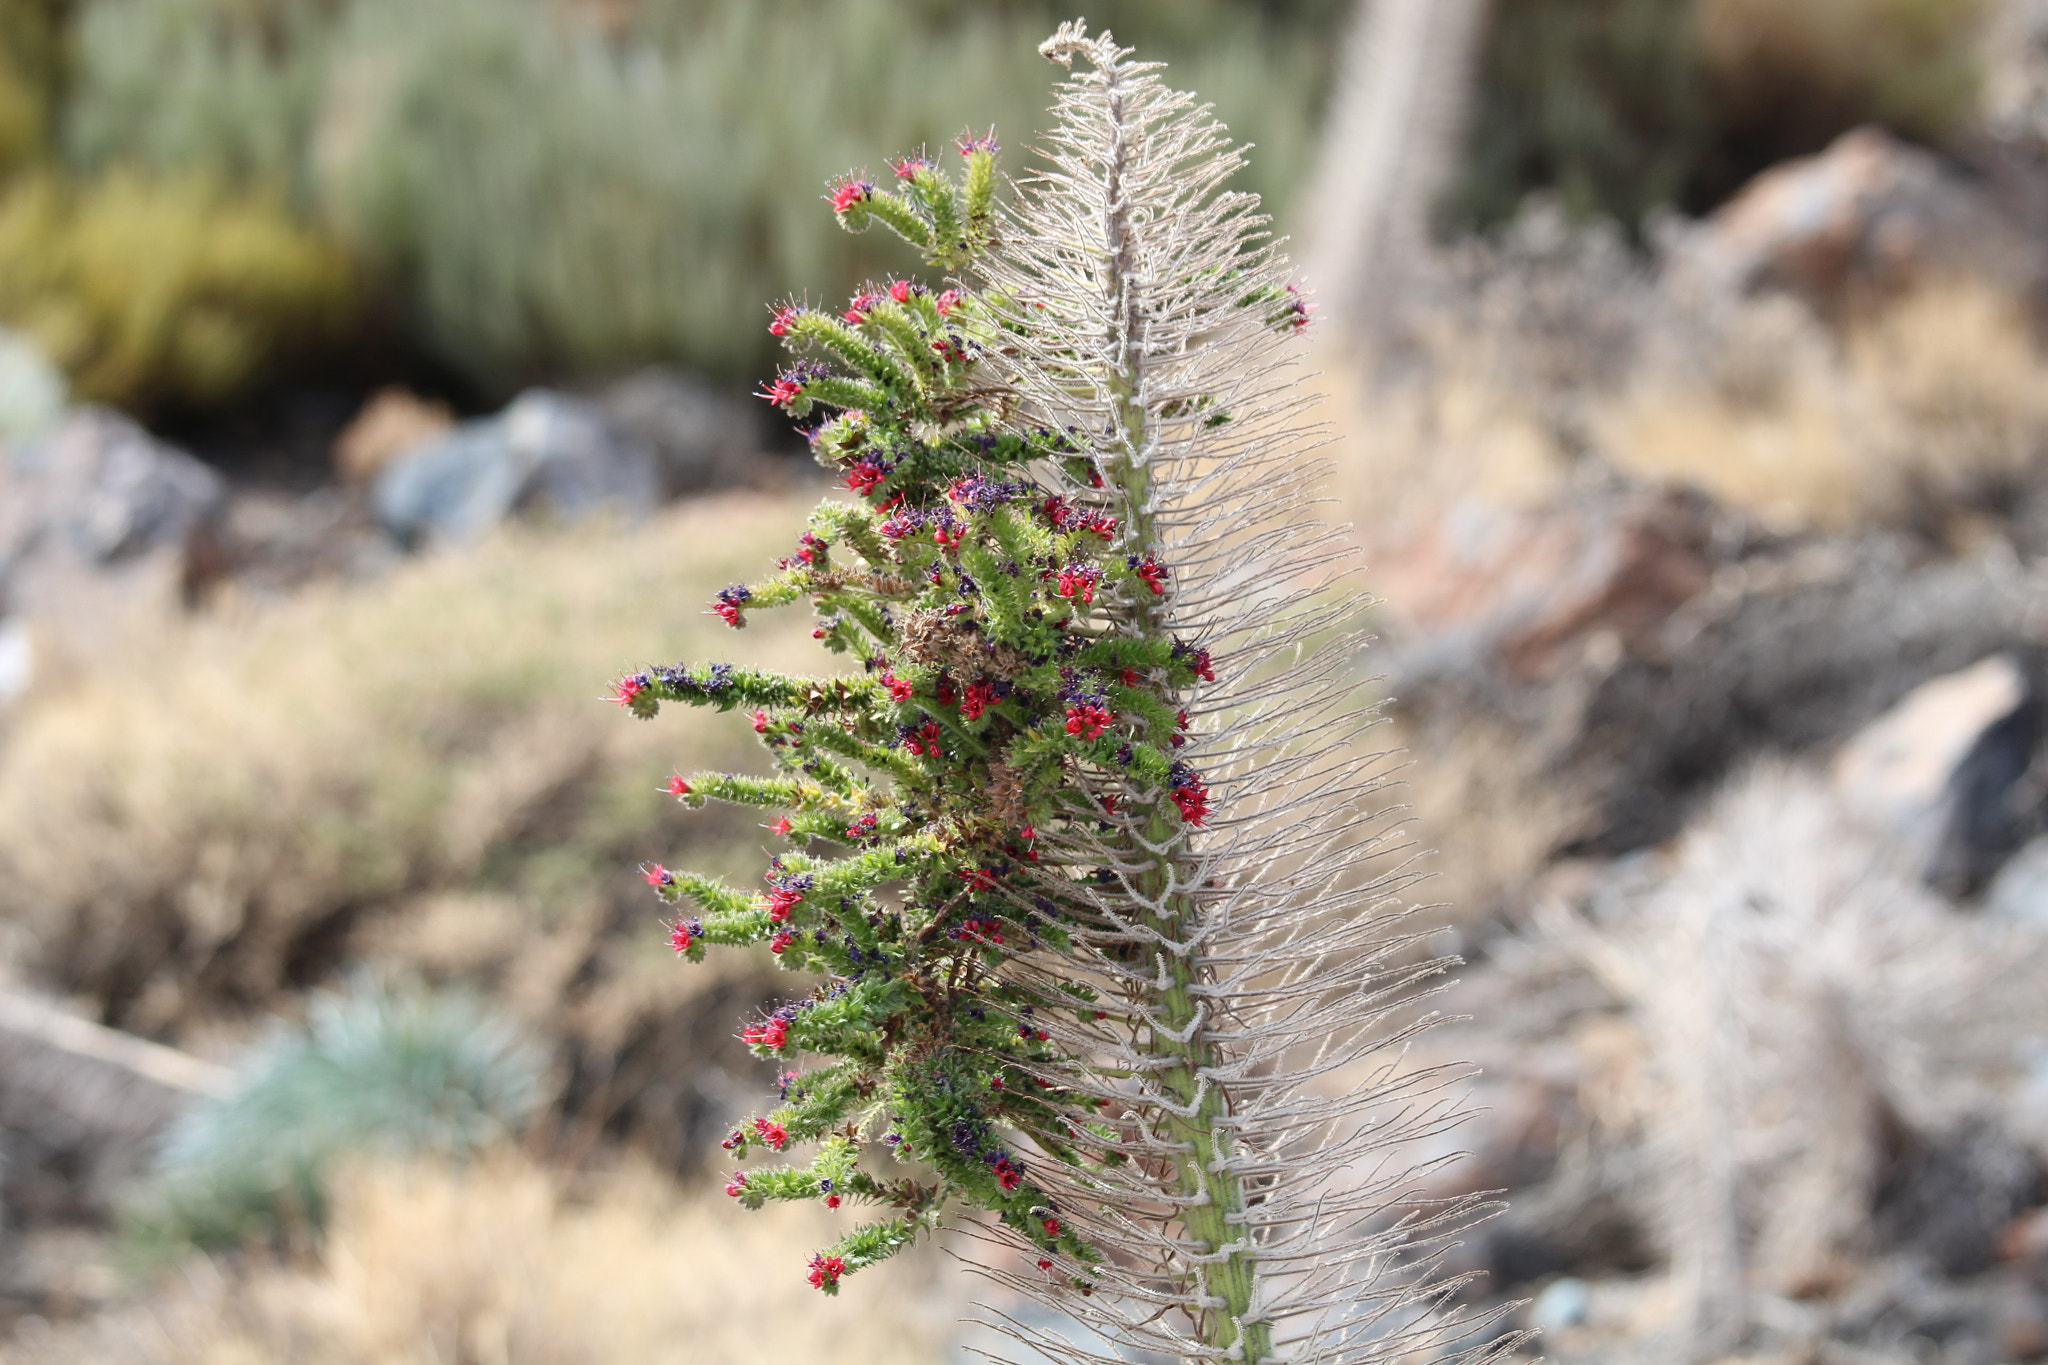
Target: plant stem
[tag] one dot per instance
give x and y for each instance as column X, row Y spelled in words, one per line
column 1201, row 1170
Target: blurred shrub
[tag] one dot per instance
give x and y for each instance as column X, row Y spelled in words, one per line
column 421, row 772
column 546, row 195
column 30, row 61
column 1598, row 101
column 1619, row 106
column 500, row 1260
column 1797, row 74
column 374, row 1073
column 162, row 291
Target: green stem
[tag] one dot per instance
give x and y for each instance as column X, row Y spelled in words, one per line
column 1200, row 1169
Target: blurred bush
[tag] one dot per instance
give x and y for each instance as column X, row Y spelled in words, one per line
column 1619, row 106
column 422, row 773
column 163, row 291
column 551, row 189
column 499, row 1260
column 374, row 1073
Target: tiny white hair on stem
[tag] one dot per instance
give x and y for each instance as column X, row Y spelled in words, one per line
column 1244, row 1108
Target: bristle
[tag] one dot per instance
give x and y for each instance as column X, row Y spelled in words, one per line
column 1246, row 1181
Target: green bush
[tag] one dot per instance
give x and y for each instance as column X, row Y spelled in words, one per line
column 543, row 197
column 1619, row 106
column 163, row 291
column 373, row 1073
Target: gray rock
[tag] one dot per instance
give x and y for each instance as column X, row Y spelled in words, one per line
column 95, row 491
column 703, row 439
column 546, row 453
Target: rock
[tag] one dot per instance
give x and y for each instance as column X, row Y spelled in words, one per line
column 1562, row 1304
column 545, row 453
column 1954, row 1201
column 31, row 389
column 1865, row 220
column 394, row 421
column 703, row 439
column 2020, row 890
column 1936, row 775
column 96, row 494
column 1516, row 590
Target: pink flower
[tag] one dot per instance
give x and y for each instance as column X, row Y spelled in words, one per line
column 901, row 290
column 676, row 785
column 770, row 1033
column 857, row 311
column 629, row 687
column 737, row 1186
column 656, row 875
column 780, row 825
column 784, row 319
column 760, row 721
column 969, row 144
column 679, row 937
column 782, row 392
column 947, row 302
column 907, row 167
column 848, row 192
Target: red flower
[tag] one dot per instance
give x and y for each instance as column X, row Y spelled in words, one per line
column 980, row 696
column 947, row 302
column 1079, row 580
column 676, row 785
column 770, row 1033
column 831, row 1201
column 780, row 825
column 977, row 878
column 864, row 476
column 657, row 875
column 857, row 310
column 969, row 144
column 862, row 828
column 1056, row 510
column 784, row 319
column 908, row 166
column 1052, row 1227
column 679, row 937
column 949, row 537
column 783, row 938
column 899, row 688
column 781, row 901
column 627, row 688
column 826, row 1270
column 760, row 721
column 901, row 290
column 1086, row 719
column 772, row 1133
column 1152, row 573
column 782, row 392
column 924, row 740
column 737, row 1185
column 1044, row 1264
column 848, row 192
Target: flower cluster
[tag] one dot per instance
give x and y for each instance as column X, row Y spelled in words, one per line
column 992, row 577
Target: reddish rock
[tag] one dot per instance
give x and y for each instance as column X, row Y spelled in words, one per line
column 1529, row 590
column 1867, row 219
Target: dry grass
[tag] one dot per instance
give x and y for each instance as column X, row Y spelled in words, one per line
column 1938, row 403
column 505, row 1261
column 422, row 771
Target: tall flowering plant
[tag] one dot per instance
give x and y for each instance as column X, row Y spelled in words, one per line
column 1074, row 859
